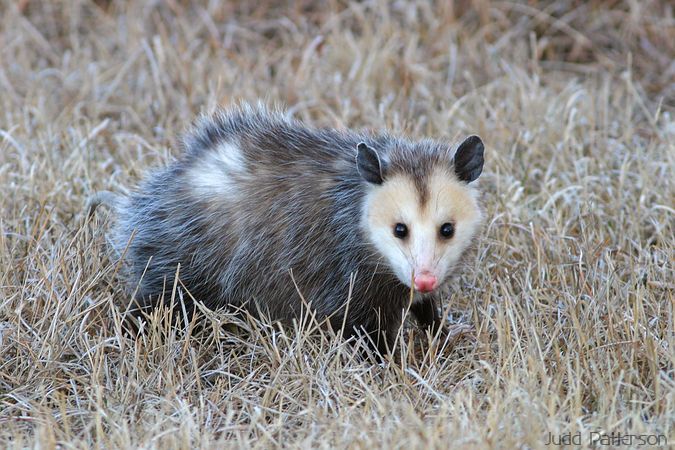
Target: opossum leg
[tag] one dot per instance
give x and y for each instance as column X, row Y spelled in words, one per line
column 384, row 333
column 427, row 315
column 380, row 340
column 386, row 342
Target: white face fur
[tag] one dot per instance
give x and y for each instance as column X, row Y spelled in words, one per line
column 422, row 231
column 426, row 246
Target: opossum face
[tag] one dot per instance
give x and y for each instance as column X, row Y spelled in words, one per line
column 421, row 224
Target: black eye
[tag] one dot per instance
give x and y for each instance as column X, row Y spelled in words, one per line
column 400, row 231
column 447, row 230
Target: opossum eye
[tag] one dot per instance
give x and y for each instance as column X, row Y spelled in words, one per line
column 400, row 231
column 447, row 230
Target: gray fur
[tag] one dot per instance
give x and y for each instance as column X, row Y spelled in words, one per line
column 297, row 212
column 106, row 198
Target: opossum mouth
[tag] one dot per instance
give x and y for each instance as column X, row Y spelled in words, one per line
column 423, row 294
column 418, row 297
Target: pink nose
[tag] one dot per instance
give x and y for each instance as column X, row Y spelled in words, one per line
column 425, row 282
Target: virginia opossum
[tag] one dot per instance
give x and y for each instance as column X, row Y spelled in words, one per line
column 261, row 211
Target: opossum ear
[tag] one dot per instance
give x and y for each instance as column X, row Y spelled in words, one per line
column 368, row 163
column 468, row 160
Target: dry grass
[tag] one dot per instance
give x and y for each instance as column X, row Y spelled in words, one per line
column 570, row 297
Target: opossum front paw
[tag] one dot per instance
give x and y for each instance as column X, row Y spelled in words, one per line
column 451, row 333
column 427, row 315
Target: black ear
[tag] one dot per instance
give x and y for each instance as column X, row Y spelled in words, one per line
column 469, row 159
column 368, row 164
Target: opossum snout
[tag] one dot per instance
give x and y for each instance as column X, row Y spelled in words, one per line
column 425, row 282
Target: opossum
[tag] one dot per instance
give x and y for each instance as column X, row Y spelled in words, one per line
column 263, row 212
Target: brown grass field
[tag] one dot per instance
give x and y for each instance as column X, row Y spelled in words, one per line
column 564, row 315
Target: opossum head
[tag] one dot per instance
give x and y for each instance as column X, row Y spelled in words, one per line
column 420, row 211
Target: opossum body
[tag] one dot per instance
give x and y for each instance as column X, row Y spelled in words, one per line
column 261, row 211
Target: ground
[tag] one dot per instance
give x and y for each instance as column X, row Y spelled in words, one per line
column 566, row 303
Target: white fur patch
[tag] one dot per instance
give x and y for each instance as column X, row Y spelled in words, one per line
column 216, row 173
